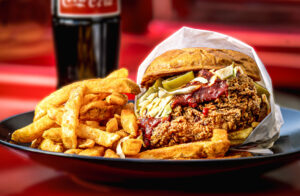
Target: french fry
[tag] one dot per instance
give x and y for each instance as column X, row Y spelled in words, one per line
column 33, row 130
column 107, row 85
column 78, row 110
column 55, row 114
column 120, row 73
column 35, row 143
column 117, row 99
column 217, row 146
column 70, row 121
column 129, row 122
column 110, row 154
column 53, row 134
column 100, row 137
column 98, row 111
column 50, row 145
column 118, row 117
column 55, row 99
column 91, row 105
column 89, row 98
column 96, row 114
column 132, row 146
column 99, row 114
column 241, row 134
column 87, row 143
column 94, row 97
column 122, row 133
column 73, row 151
column 101, row 149
column 96, row 151
column 112, row 125
column 92, row 123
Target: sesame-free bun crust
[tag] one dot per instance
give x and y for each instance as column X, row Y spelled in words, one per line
column 177, row 61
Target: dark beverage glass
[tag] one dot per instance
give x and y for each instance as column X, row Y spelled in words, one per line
column 87, row 38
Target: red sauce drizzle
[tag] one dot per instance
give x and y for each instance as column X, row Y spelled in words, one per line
column 205, row 111
column 203, row 94
column 147, row 125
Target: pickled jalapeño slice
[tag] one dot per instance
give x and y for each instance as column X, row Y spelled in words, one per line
column 177, row 81
column 158, row 83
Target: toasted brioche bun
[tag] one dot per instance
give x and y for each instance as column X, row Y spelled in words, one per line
column 191, row 59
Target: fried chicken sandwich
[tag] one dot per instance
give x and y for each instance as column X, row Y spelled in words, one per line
column 191, row 92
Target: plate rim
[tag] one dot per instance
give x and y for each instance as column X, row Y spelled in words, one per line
column 128, row 160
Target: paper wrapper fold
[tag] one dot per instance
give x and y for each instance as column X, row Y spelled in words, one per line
column 263, row 136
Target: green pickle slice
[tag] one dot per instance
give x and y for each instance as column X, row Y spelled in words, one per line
column 177, row 81
column 158, row 83
column 261, row 90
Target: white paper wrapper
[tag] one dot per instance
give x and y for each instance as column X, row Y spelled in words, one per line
column 263, row 136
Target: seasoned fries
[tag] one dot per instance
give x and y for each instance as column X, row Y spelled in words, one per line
column 96, row 151
column 94, row 97
column 61, row 96
column 128, row 121
column 122, row 133
column 73, row 151
column 35, row 143
column 106, row 85
column 99, row 114
column 110, row 154
column 50, row 145
column 94, row 114
column 120, row 73
column 102, row 138
column 132, row 146
column 88, row 143
column 32, row 131
column 82, row 118
column 117, row 99
column 70, row 117
column 92, row 105
column 112, row 125
column 53, row 134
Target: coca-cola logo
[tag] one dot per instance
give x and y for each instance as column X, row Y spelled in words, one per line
column 89, row 3
column 82, row 8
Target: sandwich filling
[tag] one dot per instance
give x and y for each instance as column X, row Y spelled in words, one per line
column 188, row 107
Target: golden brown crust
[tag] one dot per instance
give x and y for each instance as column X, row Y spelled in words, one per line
column 190, row 59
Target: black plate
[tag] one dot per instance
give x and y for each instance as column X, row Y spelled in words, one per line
column 286, row 149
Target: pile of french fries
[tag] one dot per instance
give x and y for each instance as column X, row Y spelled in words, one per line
column 90, row 117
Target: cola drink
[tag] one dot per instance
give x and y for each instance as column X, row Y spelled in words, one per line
column 87, row 38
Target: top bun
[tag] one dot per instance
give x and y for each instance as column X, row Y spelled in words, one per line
column 192, row 59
